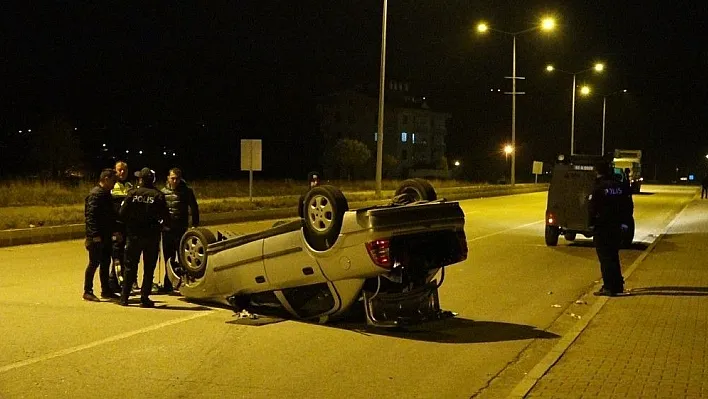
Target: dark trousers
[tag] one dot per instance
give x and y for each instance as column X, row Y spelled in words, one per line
column 704, row 192
column 607, row 241
column 99, row 258
column 118, row 255
column 148, row 246
column 170, row 246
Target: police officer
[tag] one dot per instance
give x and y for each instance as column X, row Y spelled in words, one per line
column 119, row 192
column 180, row 200
column 610, row 209
column 144, row 212
column 313, row 180
column 100, row 229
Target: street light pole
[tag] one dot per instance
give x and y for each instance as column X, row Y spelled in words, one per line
column 382, row 87
column 598, row 68
column 572, row 121
column 604, row 108
column 513, row 116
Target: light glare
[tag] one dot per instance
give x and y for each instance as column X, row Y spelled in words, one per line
column 550, row 68
column 599, row 67
column 548, row 24
column 585, row 90
column 482, row 27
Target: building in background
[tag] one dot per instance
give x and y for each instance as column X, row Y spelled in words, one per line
column 414, row 134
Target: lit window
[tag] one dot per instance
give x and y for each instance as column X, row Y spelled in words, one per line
column 413, row 138
column 376, row 136
column 404, row 137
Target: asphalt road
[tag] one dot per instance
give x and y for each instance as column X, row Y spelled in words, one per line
column 514, row 297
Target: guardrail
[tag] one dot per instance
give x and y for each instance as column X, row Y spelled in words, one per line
column 38, row 235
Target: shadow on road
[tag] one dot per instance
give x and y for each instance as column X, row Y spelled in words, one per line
column 670, row 291
column 454, row 331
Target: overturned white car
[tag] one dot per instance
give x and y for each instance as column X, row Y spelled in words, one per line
column 318, row 266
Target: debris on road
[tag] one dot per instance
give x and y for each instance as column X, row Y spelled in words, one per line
column 580, row 302
column 556, row 306
column 550, row 292
column 577, row 316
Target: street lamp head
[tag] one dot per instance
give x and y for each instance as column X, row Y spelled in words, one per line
column 599, row 67
column 550, row 68
column 457, row 163
column 548, row 24
column 624, row 90
column 585, row 90
column 508, row 149
column 482, row 27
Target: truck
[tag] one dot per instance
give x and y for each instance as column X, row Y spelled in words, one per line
column 632, row 160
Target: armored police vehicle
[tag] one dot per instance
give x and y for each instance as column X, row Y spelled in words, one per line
column 568, row 197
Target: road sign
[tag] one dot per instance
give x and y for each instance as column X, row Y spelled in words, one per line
column 537, row 169
column 251, row 155
column 251, row 160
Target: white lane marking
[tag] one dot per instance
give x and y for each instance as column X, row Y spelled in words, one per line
column 114, row 338
column 504, row 231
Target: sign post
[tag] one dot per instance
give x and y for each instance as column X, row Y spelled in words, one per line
column 537, row 169
column 251, row 159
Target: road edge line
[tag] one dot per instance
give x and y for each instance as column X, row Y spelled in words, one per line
column 541, row 368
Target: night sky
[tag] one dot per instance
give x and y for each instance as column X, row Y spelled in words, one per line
column 197, row 77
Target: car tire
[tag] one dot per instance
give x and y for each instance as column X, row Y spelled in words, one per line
column 570, row 236
column 552, row 234
column 628, row 235
column 323, row 210
column 420, row 189
column 192, row 253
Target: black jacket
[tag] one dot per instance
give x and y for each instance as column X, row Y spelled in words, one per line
column 144, row 211
column 610, row 203
column 179, row 202
column 100, row 214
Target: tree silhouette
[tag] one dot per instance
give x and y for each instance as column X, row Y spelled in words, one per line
column 55, row 147
column 350, row 156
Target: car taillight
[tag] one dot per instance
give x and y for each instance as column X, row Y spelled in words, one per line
column 379, row 251
column 550, row 219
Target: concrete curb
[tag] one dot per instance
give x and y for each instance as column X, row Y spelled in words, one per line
column 40, row 235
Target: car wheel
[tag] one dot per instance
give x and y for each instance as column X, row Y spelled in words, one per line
column 628, row 235
column 419, row 189
column 323, row 211
column 193, row 251
column 569, row 236
column 552, row 233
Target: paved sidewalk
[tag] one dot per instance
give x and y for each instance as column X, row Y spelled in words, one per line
column 654, row 343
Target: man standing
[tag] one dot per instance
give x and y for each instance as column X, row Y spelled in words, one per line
column 704, row 187
column 100, row 229
column 180, row 200
column 144, row 212
column 610, row 209
column 119, row 193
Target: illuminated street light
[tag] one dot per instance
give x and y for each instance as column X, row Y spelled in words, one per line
column 546, row 24
column 508, row 149
column 585, row 90
column 598, row 67
column 604, row 108
column 457, row 163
